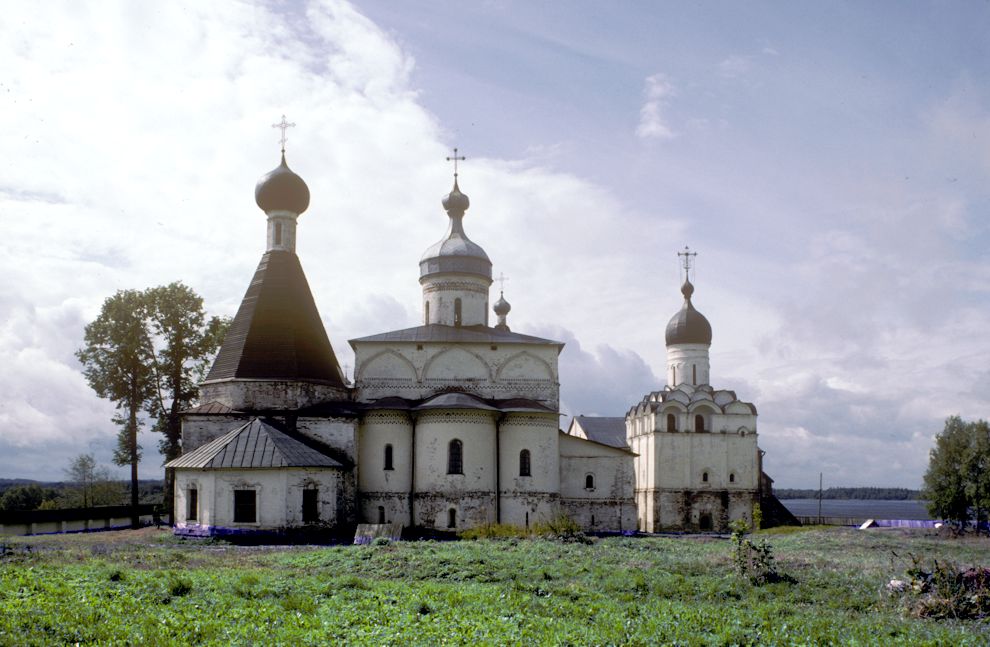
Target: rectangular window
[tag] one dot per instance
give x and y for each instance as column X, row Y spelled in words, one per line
column 245, row 506
column 192, row 504
column 311, row 510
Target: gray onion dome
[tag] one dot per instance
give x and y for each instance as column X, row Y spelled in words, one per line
column 688, row 326
column 282, row 190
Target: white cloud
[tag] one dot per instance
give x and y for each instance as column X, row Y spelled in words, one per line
column 735, row 66
column 653, row 123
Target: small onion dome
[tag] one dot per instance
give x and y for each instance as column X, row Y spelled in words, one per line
column 501, row 306
column 282, row 190
column 455, row 200
column 688, row 326
column 455, row 252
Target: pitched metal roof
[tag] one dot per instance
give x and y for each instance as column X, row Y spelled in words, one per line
column 253, row 445
column 277, row 332
column 211, row 408
column 442, row 333
column 604, row 430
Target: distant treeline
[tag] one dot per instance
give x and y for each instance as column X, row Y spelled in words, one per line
column 27, row 495
column 866, row 493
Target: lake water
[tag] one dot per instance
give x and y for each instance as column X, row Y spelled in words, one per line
column 858, row 508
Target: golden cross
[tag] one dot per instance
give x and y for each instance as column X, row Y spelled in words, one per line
column 283, row 125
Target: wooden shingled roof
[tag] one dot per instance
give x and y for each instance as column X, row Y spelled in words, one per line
column 277, row 332
column 256, row 444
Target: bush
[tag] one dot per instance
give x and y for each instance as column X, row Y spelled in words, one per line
column 494, row 531
column 753, row 561
column 561, row 528
column 942, row 590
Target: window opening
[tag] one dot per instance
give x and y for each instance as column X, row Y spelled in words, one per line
column 381, row 514
column 592, row 520
column 451, row 518
column 455, row 457
column 278, row 233
column 426, row 309
column 589, row 482
column 704, row 477
column 457, row 312
column 732, row 478
column 694, row 374
column 671, row 422
column 674, row 369
column 527, row 520
column 245, row 506
column 192, row 504
column 705, row 522
column 311, row 508
column 524, row 468
column 388, row 457
column 699, row 423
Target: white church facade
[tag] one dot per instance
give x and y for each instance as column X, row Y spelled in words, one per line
column 448, row 425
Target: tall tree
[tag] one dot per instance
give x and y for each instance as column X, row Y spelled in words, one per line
column 117, row 361
column 93, row 484
column 957, row 483
column 184, row 341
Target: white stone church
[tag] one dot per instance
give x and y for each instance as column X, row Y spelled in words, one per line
column 448, row 425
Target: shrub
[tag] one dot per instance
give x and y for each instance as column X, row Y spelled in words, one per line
column 561, row 528
column 494, row 531
column 753, row 561
column 942, row 590
column 179, row 586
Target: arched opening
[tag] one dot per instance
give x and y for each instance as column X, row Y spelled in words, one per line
column 381, row 514
column 388, row 457
column 455, row 457
column 694, row 374
column 457, row 311
column 524, row 468
column 699, row 423
column 451, row 518
column 705, row 522
column 732, row 478
column 704, row 477
column 673, row 381
column 589, row 482
column 671, row 422
column 426, row 313
column 278, row 233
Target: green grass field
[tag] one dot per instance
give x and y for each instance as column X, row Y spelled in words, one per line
column 147, row 588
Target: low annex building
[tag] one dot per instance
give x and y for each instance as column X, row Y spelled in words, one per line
column 448, row 425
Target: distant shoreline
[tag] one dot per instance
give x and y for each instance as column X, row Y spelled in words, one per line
column 851, row 493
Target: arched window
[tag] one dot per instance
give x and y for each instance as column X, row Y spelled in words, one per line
column 673, row 382
column 457, row 312
column 524, row 469
column 426, row 313
column 704, row 477
column 381, row 514
column 671, row 422
column 732, row 478
column 388, row 457
column 451, row 518
column 278, row 233
column 455, row 457
column 699, row 423
column 589, row 482
column 694, row 374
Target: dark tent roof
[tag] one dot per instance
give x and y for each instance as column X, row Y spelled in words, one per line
column 277, row 332
column 255, row 444
column 604, row 430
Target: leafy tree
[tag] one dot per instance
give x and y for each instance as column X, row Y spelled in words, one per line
column 957, row 483
column 184, row 341
column 25, row 497
column 94, row 485
column 117, row 364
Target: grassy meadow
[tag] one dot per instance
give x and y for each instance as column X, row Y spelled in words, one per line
column 147, row 588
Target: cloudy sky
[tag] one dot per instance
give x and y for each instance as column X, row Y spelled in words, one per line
column 830, row 162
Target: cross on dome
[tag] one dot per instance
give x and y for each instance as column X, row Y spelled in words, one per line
column 502, row 278
column 284, row 125
column 688, row 261
column 455, row 158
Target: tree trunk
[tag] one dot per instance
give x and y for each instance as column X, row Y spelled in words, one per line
column 132, row 423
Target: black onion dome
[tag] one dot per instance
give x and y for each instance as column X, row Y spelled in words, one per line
column 688, row 326
column 282, row 190
column 501, row 306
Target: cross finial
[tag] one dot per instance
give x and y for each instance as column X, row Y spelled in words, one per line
column 502, row 278
column 455, row 159
column 283, row 125
column 688, row 260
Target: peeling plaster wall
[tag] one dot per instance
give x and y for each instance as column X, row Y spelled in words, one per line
column 527, row 499
column 610, row 501
column 199, row 430
column 339, row 433
column 259, row 395
column 278, row 496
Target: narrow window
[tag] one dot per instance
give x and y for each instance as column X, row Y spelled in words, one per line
column 245, row 506
column 524, row 463
column 278, row 233
column 592, row 520
column 311, row 510
column 381, row 514
column 451, row 518
column 457, row 312
column 388, row 457
column 426, row 309
column 699, row 423
column 527, row 520
column 192, row 504
column 671, row 422
column 589, row 482
column 674, row 381
column 455, row 457
column 704, row 477
column 732, row 478
column 694, row 374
